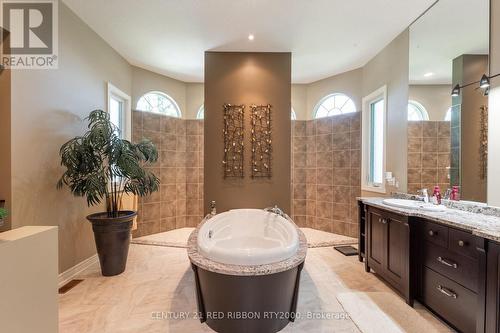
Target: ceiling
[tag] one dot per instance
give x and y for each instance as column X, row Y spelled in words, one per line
column 449, row 29
column 326, row 37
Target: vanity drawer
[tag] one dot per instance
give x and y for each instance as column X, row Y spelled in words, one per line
column 454, row 303
column 435, row 233
column 463, row 243
column 461, row 269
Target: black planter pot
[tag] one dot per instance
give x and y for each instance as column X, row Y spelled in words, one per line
column 112, row 240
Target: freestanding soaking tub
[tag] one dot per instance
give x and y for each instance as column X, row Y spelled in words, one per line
column 247, row 265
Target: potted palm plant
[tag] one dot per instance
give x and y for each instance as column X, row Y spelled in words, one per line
column 101, row 166
column 3, row 212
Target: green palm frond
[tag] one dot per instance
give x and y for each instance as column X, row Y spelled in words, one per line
column 100, row 165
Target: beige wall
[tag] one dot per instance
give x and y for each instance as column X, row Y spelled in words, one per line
column 50, row 115
column 436, row 98
column 195, row 95
column 299, row 101
column 494, row 108
column 466, row 69
column 390, row 67
column 5, row 142
column 247, row 78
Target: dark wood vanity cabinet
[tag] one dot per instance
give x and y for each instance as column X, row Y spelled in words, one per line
column 388, row 249
column 451, row 271
column 451, row 278
column 493, row 289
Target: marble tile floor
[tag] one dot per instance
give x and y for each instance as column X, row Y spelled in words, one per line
column 160, row 280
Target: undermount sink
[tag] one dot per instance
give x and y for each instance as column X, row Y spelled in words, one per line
column 413, row 204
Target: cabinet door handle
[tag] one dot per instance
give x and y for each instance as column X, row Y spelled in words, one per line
column 461, row 243
column 446, row 291
column 384, row 221
column 432, row 232
column 447, row 262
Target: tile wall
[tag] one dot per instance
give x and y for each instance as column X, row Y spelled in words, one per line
column 326, row 173
column 178, row 203
column 428, row 155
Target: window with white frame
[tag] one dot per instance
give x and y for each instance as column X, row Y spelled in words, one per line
column 158, row 102
column 447, row 117
column 334, row 104
column 119, row 109
column 201, row 112
column 374, row 125
column 417, row 112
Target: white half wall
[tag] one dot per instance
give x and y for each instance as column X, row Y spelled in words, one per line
column 494, row 108
column 28, row 280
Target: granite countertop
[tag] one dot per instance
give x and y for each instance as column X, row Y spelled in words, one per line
column 482, row 225
column 244, row 270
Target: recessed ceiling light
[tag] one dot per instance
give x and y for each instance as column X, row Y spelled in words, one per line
column 251, row 37
column 428, row 74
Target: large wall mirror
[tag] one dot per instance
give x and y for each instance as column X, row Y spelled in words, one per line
column 447, row 135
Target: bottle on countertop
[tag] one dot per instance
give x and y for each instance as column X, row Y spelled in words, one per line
column 455, row 194
column 436, row 195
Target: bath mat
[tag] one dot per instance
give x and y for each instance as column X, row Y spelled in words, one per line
column 347, row 250
column 318, row 238
column 173, row 238
column 375, row 312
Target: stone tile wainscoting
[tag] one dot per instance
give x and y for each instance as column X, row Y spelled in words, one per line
column 178, row 203
column 428, row 155
column 326, row 176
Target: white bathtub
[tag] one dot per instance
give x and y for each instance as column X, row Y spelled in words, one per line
column 248, row 237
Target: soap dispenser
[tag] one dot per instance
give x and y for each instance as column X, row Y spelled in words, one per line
column 436, row 196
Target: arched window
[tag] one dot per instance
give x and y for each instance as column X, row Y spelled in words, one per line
column 417, row 112
column 333, row 105
column 294, row 115
column 447, row 117
column 201, row 112
column 158, row 102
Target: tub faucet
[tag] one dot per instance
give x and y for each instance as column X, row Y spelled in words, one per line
column 275, row 210
column 213, row 208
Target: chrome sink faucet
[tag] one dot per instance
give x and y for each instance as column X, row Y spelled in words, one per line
column 424, row 194
column 275, row 210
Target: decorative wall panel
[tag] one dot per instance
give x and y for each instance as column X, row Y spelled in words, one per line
column 233, row 140
column 261, row 141
column 483, row 146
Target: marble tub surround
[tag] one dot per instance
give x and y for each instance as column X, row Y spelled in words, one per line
column 179, row 202
column 326, row 173
column 486, row 226
column 244, row 270
column 179, row 238
column 468, row 206
column 428, row 155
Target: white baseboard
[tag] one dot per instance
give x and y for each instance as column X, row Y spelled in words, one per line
column 71, row 273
